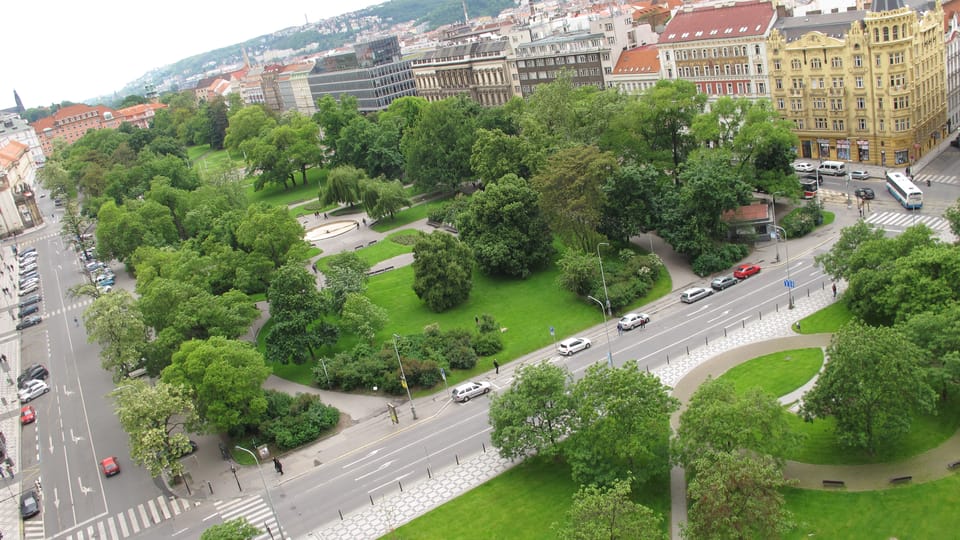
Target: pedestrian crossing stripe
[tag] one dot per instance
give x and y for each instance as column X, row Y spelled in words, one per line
column 255, row 511
column 33, row 529
column 904, row 220
column 129, row 522
column 936, row 178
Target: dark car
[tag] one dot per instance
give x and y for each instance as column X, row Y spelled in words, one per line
column 722, row 282
column 864, row 193
column 32, row 320
column 29, row 310
column 29, row 301
column 34, row 372
column 29, row 504
column 956, row 142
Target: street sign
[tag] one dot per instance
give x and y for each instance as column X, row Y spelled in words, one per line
column 789, row 283
column 551, row 331
column 443, row 375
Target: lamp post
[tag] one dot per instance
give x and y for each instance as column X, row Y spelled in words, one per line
column 403, row 377
column 273, row 509
column 786, row 249
column 776, row 241
column 605, row 331
column 603, row 279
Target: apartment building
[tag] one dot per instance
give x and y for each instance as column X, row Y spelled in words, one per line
column 373, row 72
column 15, row 128
column 478, row 70
column 862, row 86
column 18, row 207
column 637, row 70
column 952, row 46
column 720, row 48
column 293, row 85
column 139, row 115
column 70, row 123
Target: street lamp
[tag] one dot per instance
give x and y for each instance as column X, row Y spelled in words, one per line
column 403, row 377
column 265, row 488
column 776, row 241
column 604, row 280
column 786, row 249
column 605, row 331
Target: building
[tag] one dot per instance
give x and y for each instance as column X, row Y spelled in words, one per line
column 721, row 49
column 18, row 207
column 373, row 72
column 293, row 89
column 139, row 115
column 862, row 86
column 478, row 70
column 70, row 123
column 637, row 69
column 588, row 55
column 270, row 87
column 952, row 49
column 15, row 128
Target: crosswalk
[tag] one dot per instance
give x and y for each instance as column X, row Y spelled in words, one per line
column 921, row 179
column 68, row 309
column 128, row 523
column 902, row 220
column 255, row 511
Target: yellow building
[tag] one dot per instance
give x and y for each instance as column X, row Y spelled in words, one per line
column 862, row 86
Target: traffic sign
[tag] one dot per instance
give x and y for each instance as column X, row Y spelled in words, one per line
column 789, row 283
column 551, row 331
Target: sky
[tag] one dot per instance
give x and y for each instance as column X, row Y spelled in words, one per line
column 64, row 50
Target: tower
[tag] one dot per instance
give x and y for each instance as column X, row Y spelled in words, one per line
column 16, row 99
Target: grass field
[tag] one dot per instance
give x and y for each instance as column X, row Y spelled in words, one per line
column 381, row 251
column 828, row 319
column 275, row 194
column 406, row 216
column 778, row 373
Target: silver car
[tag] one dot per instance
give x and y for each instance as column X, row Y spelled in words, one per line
column 465, row 391
column 32, row 390
column 573, row 345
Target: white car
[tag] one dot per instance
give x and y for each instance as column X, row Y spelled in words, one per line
column 472, row 389
column 32, row 390
column 803, row 166
column 573, row 345
column 633, row 320
column 690, row 296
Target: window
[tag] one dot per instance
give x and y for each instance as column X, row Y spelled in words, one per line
column 836, row 104
column 815, row 63
column 901, row 124
column 729, row 88
column 838, row 125
column 799, row 123
column 861, row 103
column 796, row 104
column 858, row 81
column 836, row 62
column 795, row 64
column 761, row 88
column 778, row 84
column 879, row 81
column 797, row 83
column 756, row 49
column 881, row 126
column 880, row 104
column 877, row 62
column 901, row 102
column 780, row 104
column 820, row 123
column 666, row 55
column 886, row 33
column 857, row 61
column 696, row 71
column 896, row 81
column 819, row 103
column 776, row 65
column 861, row 124
column 608, row 27
column 896, row 58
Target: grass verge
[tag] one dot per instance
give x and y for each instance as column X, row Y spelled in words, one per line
column 406, row 216
column 828, row 319
column 778, row 373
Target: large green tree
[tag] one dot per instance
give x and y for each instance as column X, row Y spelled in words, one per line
column 271, row 231
column 115, row 323
column 362, row 317
column 873, row 386
column 535, row 413
column 343, row 185
column 442, row 271
column 506, row 230
column 437, row 149
column 248, row 123
column 345, row 273
column 234, row 529
column 599, row 513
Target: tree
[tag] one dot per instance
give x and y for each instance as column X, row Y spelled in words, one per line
column 437, row 149
column 836, row 262
column 578, row 272
column 343, row 185
column 332, row 115
column 622, row 425
column 248, row 123
column 346, row 273
column 872, row 385
column 736, row 495
column 383, row 199
column 271, row 231
column 154, row 417
column 293, row 289
column 952, row 214
column 496, row 154
column 718, row 419
column 442, row 271
column 764, row 146
column 362, row 317
column 937, row 332
column 224, row 378
column 506, row 230
column 217, row 122
column 115, row 323
column 534, row 414
column 235, row 529
column 631, row 201
column 608, row 513
column 304, row 149
column 571, row 193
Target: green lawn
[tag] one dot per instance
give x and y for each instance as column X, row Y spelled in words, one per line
column 778, row 373
column 276, row 194
column 913, row 511
column 381, row 251
column 520, row 504
column 828, row 319
column 406, row 216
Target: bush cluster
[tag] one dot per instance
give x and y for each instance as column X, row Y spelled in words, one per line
column 296, row 420
column 802, row 221
column 630, row 276
column 719, row 257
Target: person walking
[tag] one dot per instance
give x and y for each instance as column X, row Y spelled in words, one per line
column 643, row 323
column 496, row 367
column 619, row 329
column 834, row 287
column 278, row 466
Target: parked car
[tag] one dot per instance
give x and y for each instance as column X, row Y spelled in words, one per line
column 30, row 300
column 859, row 174
column 27, row 268
column 32, row 373
column 25, row 283
column 633, row 320
column 28, row 415
column 27, row 276
column 472, row 389
column 32, row 320
column 690, row 296
column 956, row 142
column 722, row 282
column 32, row 390
column 29, row 310
column 32, row 288
column 573, row 345
column 27, row 259
column 864, row 193
column 804, row 166
column 29, row 504
column 746, row 270
column 109, row 466
column 26, row 251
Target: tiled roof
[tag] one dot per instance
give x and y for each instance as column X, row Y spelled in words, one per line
column 640, row 60
column 757, row 211
column 11, row 152
column 67, row 112
column 738, row 20
column 137, row 110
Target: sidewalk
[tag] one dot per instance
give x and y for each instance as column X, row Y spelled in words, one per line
column 10, row 420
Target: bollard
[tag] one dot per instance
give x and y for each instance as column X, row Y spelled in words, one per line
column 668, row 362
column 484, row 446
column 743, row 323
column 724, row 332
column 458, row 458
column 648, row 368
column 430, row 476
column 706, row 340
column 210, row 487
column 808, row 292
column 371, row 499
column 778, row 308
column 399, row 483
column 688, row 350
column 341, row 514
column 761, row 315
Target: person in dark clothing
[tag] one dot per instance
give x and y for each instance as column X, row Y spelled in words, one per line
column 496, row 367
column 278, row 466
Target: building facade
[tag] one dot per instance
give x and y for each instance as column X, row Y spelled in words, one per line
column 15, row 128
column 478, row 70
column 373, row 72
column 873, row 93
column 721, row 49
column 952, row 48
column 70, row 123
column 18, row 207
column 637, row 70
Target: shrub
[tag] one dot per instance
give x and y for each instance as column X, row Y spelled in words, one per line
column 487, row 343
column 461, row 356
column 802, row 221
column 717, row 258
column 487, row 323
column 303, row 420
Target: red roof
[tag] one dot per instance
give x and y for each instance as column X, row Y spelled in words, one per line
column 640, row 60
column 67, row 112
column 752, row 212
column 719, row 22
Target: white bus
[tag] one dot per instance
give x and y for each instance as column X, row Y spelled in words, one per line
column 903, row 190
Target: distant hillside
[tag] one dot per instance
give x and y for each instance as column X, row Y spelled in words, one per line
column 430, row 13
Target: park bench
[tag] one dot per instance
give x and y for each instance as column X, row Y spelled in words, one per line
column 833, row 483
column 953, row 465
column 901, row 479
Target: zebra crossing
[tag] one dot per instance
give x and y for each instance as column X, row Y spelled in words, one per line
column 33, row 529
column 130, row 522
column 902, row 220
column 67, row 309
column 255, row 511
column 921, row 179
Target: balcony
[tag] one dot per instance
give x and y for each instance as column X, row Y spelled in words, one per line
column 838, row 92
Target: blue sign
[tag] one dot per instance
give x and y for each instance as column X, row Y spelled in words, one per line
column 789, row 283
column 443, row 375
column 551, row 331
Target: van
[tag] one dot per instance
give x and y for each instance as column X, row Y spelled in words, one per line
column 834, row 168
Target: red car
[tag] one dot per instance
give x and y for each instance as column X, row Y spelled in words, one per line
column 746, row 270
column 27, row 415
column 110, row 466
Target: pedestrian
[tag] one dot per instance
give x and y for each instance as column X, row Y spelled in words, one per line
column 364, row 221
column 278, row 466
column 76, row 322
column 324, row 215
column 3, row 358
column 643, row 323
column 496, row 366
column 834, row 287
column 358, row 226
column 619, row 329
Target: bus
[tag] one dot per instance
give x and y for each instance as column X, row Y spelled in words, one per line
column 809, row 187
column 904, row 191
